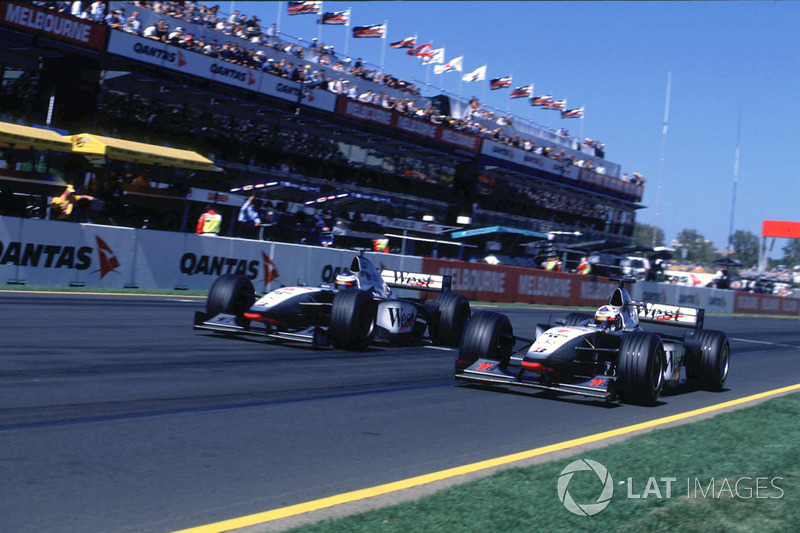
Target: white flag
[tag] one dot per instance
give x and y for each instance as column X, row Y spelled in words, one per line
column 437, row 56
column 476, row 75
column 453, row 64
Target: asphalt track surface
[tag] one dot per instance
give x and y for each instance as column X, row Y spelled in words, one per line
column 115, row 416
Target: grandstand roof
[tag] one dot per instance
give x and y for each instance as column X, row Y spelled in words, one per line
column 148, row 154
column 24, row 137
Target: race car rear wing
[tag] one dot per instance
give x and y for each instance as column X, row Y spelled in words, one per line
column 671, row 315
column 413, row 280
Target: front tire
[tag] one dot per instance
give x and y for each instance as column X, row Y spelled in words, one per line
column 448, row 325
column 231, row 294
column 488, row 335
column 352, row 319
column 640, row 368
column 712, row 363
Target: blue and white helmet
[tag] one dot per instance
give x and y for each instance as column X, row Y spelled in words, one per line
column 347, row 280
column 608, row 317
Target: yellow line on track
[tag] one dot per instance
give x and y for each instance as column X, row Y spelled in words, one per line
column 363, row 494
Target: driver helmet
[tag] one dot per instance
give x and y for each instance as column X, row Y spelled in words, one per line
column 608, row 317
column 347, row 280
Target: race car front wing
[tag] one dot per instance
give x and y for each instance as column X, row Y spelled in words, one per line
column 316, row 336
column 489, row 371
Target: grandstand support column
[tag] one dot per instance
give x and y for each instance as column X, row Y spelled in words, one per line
column 74, row 82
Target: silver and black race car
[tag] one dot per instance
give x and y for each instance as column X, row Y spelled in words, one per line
column 607, row 356
column 358, row 310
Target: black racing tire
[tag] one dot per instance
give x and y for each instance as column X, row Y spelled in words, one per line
column 230, row 294
column 352, row 325
column 488, row 335
column 640, row 368
column 577, row 319
column 447, row 325
column 710, row 366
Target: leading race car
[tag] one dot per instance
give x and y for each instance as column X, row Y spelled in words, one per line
column 358, row 310
column 607, row 356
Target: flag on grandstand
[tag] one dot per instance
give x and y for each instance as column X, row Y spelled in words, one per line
column 522, row 92
column 436, row 56
column 305, row 7
column 476, row 75
column 408, row 42
column 373, row 30
column 541, row 100
column 423, row 50
column 558, row 105
column 500, row 83
column 573, row 113
column 339, row 18
column 453, row 64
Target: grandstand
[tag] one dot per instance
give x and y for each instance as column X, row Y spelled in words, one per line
column 426, row 169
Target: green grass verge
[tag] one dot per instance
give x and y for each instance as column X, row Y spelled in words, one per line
column 756, row 442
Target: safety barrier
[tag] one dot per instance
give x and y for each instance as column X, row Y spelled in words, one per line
column 52, row 253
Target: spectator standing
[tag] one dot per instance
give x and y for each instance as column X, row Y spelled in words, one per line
column 98, row 11
column 584, row 267
column 209, row 223
column 133, row 24
column 248, row 219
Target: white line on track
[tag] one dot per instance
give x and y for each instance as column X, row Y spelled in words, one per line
column 441, row 348
column 765, row 342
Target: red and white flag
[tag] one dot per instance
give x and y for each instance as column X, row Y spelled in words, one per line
column 522, row 92
column 478, row 74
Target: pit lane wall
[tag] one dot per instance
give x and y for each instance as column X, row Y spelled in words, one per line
column 52, row 253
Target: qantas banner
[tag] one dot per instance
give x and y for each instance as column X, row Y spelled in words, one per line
column 49, row 23
column 51, row 253
column 202, row 66
column 395, row 120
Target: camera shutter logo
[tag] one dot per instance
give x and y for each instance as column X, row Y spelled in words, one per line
column 586, row 509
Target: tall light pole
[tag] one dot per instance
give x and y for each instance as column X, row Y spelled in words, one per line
column 735, row 179
column 661, row 163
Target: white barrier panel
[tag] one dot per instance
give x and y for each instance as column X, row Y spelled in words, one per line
column 712, row 300
column 45, row 252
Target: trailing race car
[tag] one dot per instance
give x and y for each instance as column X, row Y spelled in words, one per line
column 360, row 309
column 606, row 356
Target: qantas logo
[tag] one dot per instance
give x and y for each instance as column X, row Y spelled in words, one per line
column 181, row 59
column 401, row 319
column 270, row 272
column 108, row 260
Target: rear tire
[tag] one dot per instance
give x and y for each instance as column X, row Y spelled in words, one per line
column 488, row 335
column 231, row 294
column 352, row 319
column 640, row 368
column 448, row 324
column 712, row 363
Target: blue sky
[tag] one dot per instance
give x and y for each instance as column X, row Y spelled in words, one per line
column 613, row 58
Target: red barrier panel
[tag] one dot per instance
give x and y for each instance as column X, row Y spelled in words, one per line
column 498, row 283
column 765, row 304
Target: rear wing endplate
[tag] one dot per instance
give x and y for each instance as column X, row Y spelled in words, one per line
column 413, row 280
column 670, row 315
